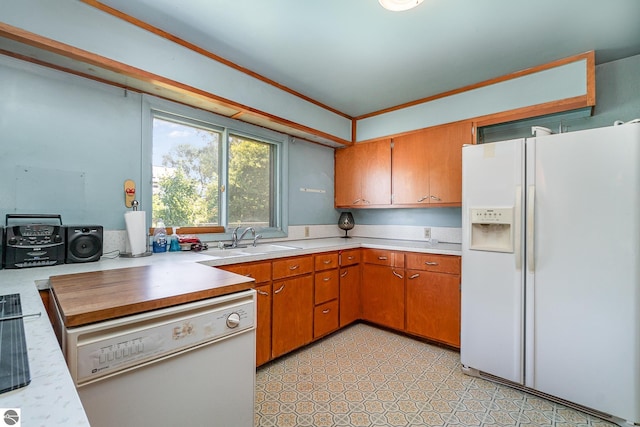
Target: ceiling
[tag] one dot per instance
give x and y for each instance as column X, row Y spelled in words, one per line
column 357, row 58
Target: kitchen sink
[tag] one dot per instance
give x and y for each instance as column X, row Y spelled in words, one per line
column 249, row 250
column 267, row 248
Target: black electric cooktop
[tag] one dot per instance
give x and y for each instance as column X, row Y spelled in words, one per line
column 14, row 363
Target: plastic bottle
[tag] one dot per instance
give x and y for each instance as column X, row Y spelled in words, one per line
column 160, row 238
column 174, row 243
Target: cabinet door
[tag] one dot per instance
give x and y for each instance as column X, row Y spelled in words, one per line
column 375, row 165
column 383, row 295
column 349, row 294
column 263, row 326
column 292, row 314
column 427, row 165
column 433, row 306
column 363, row 174
column 410, row 178
column 348, row 180
column 445, row 165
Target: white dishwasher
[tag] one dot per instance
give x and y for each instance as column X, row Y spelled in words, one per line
column 192, row 364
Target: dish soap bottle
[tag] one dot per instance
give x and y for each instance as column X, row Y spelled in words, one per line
column 160, row 238
column 174, row 243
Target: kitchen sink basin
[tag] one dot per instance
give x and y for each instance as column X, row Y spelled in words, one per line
column 249, row 250
column 267, row 248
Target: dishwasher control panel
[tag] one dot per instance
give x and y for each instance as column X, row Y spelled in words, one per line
column 113, row 346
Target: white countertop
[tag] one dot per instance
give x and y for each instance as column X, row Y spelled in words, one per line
column 309, row 246
column 51, row 398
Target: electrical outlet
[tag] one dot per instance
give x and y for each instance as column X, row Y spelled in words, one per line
column 306, row 231
column 427, row 233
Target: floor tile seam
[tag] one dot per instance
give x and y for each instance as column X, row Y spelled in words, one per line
column 492, row 402
column 476, row 413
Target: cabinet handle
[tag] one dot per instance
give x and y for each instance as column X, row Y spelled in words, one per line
column 431, row 263
column 279, row 290
column 326, row 311
column 248, row 275
column 422, row 199
column 262, row 293
column 345, row 273
column 356, row 201
column 349, row 258
column 328, row 261
column 326, row 279
column 382, row 258
column 294, row 267
column 415, row 276
column 366, row 201
column 436, row 198
column 396, row 274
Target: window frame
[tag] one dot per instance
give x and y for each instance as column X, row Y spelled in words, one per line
column 167, row 110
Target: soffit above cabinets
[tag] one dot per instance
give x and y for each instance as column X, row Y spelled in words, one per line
column 163, row 89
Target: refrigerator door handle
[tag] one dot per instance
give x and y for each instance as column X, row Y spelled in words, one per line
column 530, row 228
column 518, row 228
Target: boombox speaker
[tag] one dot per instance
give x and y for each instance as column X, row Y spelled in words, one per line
column 84, row 243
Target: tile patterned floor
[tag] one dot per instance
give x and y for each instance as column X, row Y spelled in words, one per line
column 365, row 376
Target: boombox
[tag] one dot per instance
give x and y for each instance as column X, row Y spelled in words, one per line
column 33, row 245
column 40, row 244
column 84, row 243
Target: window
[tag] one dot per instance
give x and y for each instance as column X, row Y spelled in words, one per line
column 251, row 186
column 185, row 173
column 205, row 174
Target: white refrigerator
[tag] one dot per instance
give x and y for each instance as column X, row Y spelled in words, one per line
column 551, row 266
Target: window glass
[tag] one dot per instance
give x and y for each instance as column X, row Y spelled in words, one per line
column 251, row 172
column 185, row 174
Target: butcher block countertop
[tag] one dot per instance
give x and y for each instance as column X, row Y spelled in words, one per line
column 96, row 296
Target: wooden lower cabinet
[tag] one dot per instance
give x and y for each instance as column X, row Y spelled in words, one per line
column 433, row 297
column 300, row 299
column 263, row 324
column 433, row 306
column 349, row 294
column 292, row 315
column 382, row 295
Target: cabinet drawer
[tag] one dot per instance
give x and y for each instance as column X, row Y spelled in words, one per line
column 326, row 286
column 350, row 257
column 290, row 267
column 326, row 261
column 383, row 257
column 429, row 262
column 325, row 318
column 260, row 271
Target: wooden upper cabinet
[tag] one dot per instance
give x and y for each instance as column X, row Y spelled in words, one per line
column 427, row 165
column 363, row 175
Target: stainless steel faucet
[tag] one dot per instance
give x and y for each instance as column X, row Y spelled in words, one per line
column 235, row 239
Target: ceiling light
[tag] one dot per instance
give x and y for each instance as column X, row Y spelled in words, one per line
column 399, row 5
